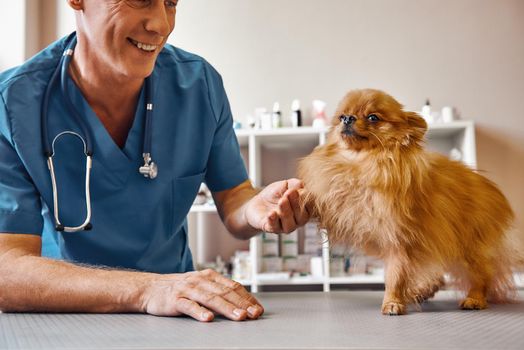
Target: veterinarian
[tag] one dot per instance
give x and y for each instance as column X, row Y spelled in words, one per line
column 105, row 138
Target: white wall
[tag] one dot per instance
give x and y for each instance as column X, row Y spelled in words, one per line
column 452, row 51
column 464, row 53
column 12, row 33
column 65, row 23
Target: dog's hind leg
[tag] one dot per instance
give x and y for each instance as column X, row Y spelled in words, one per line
column 426, row 289
column 479, row 274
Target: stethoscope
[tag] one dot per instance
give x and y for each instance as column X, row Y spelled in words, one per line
column 148, row 170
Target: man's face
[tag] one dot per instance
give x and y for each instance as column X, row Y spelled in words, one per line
column 124, row 37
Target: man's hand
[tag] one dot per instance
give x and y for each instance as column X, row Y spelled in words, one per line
column 200, row 294
column 50, row 285
column 277, row 208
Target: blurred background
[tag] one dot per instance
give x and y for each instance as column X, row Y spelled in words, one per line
column 468, row 54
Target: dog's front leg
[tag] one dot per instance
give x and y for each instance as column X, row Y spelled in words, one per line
column 396, row 286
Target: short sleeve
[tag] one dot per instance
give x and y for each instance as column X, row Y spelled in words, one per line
column 225, row 166
column 20, row 206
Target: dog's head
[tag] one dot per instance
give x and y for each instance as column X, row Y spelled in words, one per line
column 371, row 119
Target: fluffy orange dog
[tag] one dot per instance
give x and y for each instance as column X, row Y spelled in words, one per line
column 373, row 186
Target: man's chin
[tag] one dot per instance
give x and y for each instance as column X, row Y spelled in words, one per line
column 138, row 72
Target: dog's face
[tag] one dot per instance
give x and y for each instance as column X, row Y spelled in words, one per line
column 371, row 119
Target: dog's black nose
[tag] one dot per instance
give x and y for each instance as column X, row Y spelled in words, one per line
column 347, row 119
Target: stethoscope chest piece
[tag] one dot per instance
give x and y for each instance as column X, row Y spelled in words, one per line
column 149, row 169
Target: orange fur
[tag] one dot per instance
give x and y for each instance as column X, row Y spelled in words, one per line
column 376, row 188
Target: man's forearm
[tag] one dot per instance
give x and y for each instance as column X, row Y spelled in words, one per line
column 237, row 224
column 232, row 205
column 33, row 283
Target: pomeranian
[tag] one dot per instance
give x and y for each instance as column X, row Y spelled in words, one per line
column 373, row 186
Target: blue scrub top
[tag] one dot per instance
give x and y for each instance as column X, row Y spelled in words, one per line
column 138, row 223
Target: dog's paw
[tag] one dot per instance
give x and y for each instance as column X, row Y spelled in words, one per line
column 428, row 291
column 393, row 308
column 473, row 304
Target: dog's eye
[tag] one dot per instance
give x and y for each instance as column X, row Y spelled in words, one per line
column 373, row 118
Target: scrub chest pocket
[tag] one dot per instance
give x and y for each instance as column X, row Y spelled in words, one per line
column 183, row 188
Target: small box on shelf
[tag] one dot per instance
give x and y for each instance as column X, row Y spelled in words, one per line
column 289, row 245
column 270, row 244
column 272, row 264
column 241, row 265
column 290, row 263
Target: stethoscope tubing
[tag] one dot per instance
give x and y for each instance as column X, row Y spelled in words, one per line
column 86, row 225
column 68, row 54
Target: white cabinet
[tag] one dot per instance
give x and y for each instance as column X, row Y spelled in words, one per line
column 273, row 155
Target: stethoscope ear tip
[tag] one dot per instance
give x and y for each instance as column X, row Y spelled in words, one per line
column 88, row 227
column 59, row 228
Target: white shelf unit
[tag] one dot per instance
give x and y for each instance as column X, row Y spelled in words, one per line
column 441, row 137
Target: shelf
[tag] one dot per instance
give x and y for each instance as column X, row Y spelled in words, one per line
column 290, row 280
column 439, row 130
column 303, row 130
column 357, row 279
column 310, row 280
column 434, row 129
column 305, row 135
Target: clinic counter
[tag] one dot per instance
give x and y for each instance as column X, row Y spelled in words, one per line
column 300, row 320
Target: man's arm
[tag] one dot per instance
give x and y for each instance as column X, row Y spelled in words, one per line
column 30, row 282
column 33, row 283
column 246, row 211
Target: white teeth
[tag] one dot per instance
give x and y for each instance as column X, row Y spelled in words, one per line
column 145, row 47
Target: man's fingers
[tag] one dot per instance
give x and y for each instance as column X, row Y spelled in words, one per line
column 193, row 309
column 246, row 300
column 216, row 303
column 275, row 191
column 239, row 288
column 300, row 212
column 285, row 214
column 200, row 295
column 272, row 223
column 293, row 184
column 234, row 298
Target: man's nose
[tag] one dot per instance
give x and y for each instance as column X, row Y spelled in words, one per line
column 160, row 20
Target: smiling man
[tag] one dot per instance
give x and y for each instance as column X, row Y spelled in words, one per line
column 115, row 94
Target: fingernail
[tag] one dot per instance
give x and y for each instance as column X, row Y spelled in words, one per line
column 206, row 315
column 251, row 311
column 238, row 312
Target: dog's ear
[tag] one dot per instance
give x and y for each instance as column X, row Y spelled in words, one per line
column 417, row 124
